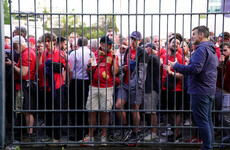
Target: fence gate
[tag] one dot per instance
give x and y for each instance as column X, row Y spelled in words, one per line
column 52, row 94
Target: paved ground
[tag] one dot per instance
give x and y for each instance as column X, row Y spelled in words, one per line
column 119, row 148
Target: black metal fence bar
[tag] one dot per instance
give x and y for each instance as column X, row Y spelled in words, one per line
column 58, row 109
column 2, row 80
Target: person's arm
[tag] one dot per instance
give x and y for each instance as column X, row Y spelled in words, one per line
column 17, row 70
column 39, row 57
column 25, row 70
column 89, row 65
column 178, row 75
column 194, row 67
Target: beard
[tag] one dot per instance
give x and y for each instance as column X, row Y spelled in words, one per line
column 172, row 49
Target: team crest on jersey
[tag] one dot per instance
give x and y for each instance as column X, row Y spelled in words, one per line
column 109, row 60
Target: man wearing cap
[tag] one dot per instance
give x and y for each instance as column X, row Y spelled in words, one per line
column 169, row 102
column 25, row 70
column 102, row 82
column 32, row 43
column 133, row 83
column 150, row 100
column 226, row 37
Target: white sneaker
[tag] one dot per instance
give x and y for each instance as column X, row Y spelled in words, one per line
column 103, row 141
column 151, row 137
column 167, row 133
column 188, row 122
column 87, row 141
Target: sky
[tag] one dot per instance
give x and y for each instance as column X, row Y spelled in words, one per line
column 148, row 25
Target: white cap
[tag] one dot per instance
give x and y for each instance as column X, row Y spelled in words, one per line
column 16, row 40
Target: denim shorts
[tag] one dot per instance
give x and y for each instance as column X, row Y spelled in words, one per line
column 130, row 96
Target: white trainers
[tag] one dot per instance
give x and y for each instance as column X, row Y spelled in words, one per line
column 151, row 137
column 87, row 141
column 103, row 141
column 167, row 133
column 188, row 122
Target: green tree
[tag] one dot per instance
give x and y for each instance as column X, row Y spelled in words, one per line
column 6, row 12
column 108, row 23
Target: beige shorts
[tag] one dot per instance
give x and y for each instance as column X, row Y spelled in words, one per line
column 150, row 102
column 99, row 101
column 19, row 101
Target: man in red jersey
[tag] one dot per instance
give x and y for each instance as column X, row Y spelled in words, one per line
column 102, row 84
column 24, row 71
column 168, row 103
column 51, row 84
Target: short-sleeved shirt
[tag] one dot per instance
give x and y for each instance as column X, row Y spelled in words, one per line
column 171, row 58
column 132, row 55
column 57, row 76
column 162, row 53
column 78, row 63
column 105, row 70
column 28, row 59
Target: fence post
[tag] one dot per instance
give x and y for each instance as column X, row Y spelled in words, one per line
column 2, row 77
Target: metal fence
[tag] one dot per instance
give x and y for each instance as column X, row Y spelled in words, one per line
column 54, row 103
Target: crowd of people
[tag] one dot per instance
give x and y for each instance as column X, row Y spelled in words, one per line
column 116, row 80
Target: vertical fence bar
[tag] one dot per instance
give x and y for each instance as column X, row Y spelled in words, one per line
column 222, row 71
column 2, row 78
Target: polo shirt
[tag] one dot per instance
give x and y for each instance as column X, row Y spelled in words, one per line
column 28, row 59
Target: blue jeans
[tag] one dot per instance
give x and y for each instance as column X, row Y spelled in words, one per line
column 202, row 107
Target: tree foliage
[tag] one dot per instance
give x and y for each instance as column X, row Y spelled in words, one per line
column 71, row 25
column 6, row 12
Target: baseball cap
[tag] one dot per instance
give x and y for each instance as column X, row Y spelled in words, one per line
column 32, row 40
column 16, row 40
column 106, row 38
column 152, row 45
column 136, row 35
column 226, row 35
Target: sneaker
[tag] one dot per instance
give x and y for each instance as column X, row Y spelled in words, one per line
column 144, row 133
column 225, row 139
column 117, row 135
column 133, row 139
column 29, row 139
column 126, row 133
column 55, row 142
column 188, row 122
column 151, row 137
column 103, row 141
column 194, row 140
column 167, row 133
column 87, row 141
column 46, row 139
